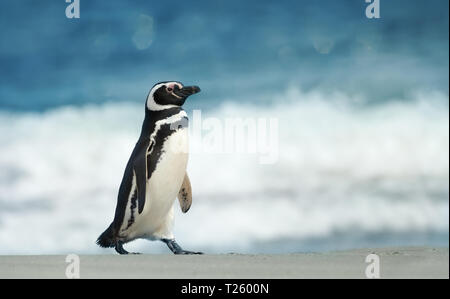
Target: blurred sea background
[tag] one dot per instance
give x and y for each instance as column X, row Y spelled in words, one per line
column 362, row 105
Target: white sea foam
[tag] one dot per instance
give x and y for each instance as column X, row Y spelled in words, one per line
column 340, row 169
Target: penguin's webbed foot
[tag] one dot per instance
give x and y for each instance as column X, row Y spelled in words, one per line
column 176, row 249
column 120, row 250
column 188, row 252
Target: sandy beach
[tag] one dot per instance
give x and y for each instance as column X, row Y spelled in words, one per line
column 411, row 262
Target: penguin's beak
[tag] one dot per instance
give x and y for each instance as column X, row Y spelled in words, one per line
column 187, row 91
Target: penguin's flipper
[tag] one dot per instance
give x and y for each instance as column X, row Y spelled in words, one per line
column 185, row 194
column 140, row 170
column 138, row 167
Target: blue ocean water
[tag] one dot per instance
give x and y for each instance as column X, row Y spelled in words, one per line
column 235, row 49
column 362, row 107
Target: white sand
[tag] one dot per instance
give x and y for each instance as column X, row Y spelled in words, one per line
column 413, row 262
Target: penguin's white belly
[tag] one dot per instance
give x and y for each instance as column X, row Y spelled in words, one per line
column 156, row 219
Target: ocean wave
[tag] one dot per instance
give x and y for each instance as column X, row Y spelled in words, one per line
column 341, row 169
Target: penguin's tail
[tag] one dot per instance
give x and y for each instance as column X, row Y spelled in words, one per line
column 107, row 238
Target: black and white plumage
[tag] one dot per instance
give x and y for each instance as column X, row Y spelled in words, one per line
column 155, row 173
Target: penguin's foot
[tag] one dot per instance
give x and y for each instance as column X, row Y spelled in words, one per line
column 176, row 249
column 120, row 250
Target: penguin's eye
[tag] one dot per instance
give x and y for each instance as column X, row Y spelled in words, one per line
column 169, row 89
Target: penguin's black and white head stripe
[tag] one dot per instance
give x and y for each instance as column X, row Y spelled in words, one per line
column 165, row 95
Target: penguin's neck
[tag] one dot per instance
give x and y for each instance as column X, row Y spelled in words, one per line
column 151, row 117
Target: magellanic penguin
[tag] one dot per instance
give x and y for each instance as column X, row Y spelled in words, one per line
column 155, row 174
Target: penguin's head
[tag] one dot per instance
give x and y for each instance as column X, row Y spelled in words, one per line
column 165, row 95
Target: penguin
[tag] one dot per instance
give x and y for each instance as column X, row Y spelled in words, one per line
column 155, row 174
